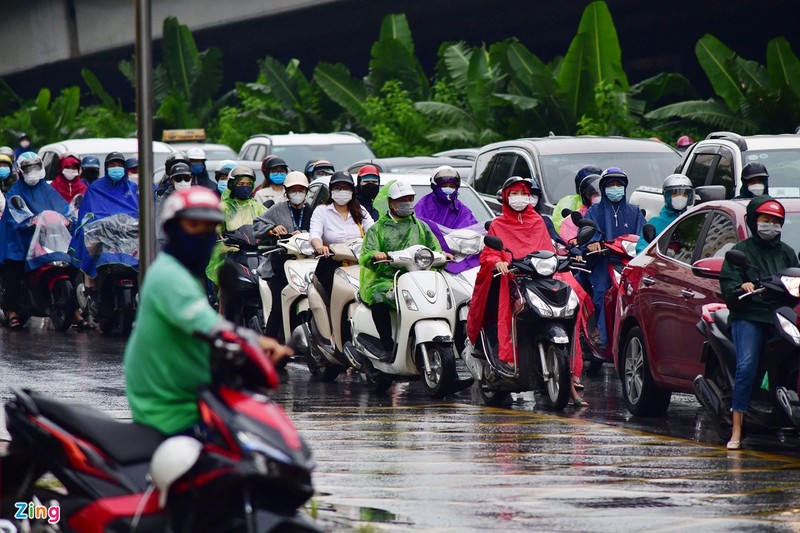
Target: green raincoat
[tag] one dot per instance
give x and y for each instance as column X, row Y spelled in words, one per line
column 388, row 234
column 238, row 213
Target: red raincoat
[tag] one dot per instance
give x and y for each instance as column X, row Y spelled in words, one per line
column 66, row 188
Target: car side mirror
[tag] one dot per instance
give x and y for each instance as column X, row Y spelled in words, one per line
column 493, row 242
column 708, row 193
column 566, row 212
column 586, row 223
column 737, row 258
column 575, row 216
column 585, row 235
column 649, row 233
column 487, row 224
column 709, row 267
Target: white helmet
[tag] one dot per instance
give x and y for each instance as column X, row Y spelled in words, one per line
column 196, row 153
column 295, row 178
column 399, row 189
column 675, row 182
column 444, row 172
column 172, row 459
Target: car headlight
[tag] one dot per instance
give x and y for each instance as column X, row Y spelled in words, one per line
column 410, row 303
column 539, row 304
column 792, row 284
column 545, row 267
column 423, row 258
column 304, row 245
column 790, row 329
column 297, row 280
column 630, row 248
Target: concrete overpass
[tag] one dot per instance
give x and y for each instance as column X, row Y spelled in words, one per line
column 47, row 42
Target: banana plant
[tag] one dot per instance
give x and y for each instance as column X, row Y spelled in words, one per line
column 45, row 119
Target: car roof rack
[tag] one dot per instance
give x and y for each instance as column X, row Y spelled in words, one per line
column 729, row 136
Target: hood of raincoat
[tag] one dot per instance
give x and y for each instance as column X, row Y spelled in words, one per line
column 66, row 188
column 750, row 220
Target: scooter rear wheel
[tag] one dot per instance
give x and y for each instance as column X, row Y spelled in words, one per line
column 62, row 305
column 322, row 372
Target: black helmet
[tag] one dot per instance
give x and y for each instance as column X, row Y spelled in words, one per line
column 754, row 170
column 273, row 162
column 530, row 182
column 342, row 177
column 180, row 169
column 132, row 162
column 583, row 172
column 114, row 156
column 177, row 157
column 589, row 187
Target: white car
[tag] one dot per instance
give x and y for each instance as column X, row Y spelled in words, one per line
column 51, row 153
column 342, row 149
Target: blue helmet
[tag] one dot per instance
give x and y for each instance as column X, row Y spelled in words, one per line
column 131, row 162
column 90, row 161
column 613, row 174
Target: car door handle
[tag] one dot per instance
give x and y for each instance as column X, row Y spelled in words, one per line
column 647, row 280
column 687, row 293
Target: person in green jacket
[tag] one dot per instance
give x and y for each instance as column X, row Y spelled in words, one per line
column 751, row 318
column 396, row 229
column 573, row 202
column 165, row 363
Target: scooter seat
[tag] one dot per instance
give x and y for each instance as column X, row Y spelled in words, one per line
column 722, row 321
column 125, row 442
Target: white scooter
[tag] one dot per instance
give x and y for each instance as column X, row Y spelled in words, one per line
column 328, row 327
column 422, row 328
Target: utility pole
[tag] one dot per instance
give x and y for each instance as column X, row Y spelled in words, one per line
column 144, row 128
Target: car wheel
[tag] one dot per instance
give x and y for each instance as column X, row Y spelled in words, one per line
column 642, row 397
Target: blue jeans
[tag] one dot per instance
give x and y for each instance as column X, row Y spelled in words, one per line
column 600, row 284
column 748, row 339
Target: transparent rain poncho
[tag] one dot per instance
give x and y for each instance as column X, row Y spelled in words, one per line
column 50, row 242
column 113, row 240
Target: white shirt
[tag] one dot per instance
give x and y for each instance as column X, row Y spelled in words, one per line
column 268, row 193
column 329, row 226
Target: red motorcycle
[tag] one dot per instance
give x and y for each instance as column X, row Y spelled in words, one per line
column 251, row 473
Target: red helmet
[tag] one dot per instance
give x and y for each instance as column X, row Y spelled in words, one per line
column 199, row 203
column 772, row 207
column 685, row 140
column 368, row 170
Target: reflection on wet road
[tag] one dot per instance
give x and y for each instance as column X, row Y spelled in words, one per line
column 402, row 463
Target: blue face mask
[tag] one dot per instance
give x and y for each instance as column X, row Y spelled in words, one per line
column 242, row 192
column 277, row 177
column 616, row 193
column 197, row 168
column 4, row 173
column 116, row 173
column 222, row 185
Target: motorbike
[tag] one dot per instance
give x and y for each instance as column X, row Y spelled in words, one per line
column 48, row 289
column 544, row 314
column 423, row 327
column 294, row 297
column 323, row 336
column 113, row 243
column 252, row 473
column 770, row 409
column 252, row 299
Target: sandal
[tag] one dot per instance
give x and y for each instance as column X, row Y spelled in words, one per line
column 577, row 382
column 14, row 322
column 734, row 445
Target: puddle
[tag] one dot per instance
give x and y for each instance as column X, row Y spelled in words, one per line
column 352, row 516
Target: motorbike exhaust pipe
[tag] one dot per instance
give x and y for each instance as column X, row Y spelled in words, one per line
column 707, row 396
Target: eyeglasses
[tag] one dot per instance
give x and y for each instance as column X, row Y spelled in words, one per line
column 182, row 177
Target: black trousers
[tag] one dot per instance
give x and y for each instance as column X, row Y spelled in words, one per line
column 276, row 284
column 381, row 315
column 326, row 268
column 13, row 272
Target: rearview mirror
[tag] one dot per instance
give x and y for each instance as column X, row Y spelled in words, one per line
column 566, row 213
column 495, row 243
column 487, row 224
column 576, row 217
column 708, row 193
column 649, row 233
column 586, row 223
column 737, row 258
column 585, row 235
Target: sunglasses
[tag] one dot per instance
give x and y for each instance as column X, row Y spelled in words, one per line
column 182, row 177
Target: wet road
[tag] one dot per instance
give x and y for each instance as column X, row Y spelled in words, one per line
column 401, row 463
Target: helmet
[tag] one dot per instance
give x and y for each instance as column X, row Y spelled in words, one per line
column 399, row 189
column 272, row 161
column 180, row 169
column 582, row 173
column 341, row 177
column 7, row 150
column 368, row 170
column 196, row 153
column 315, row 166
column 196, row 202
column 445, row 173
column 27, row 160
column 684, row 140
column 242, row 172
column 172, row 459
column 516, row 179
column 24, row 136
column 676, row 182
column 226, row 167
column 114, row 156
column 611, row 174
column 177, row 157
column 5, row 159
column 588, row 188
column 295, row 178
column 90, row 161
column 754, row 170
column 772, row 207
column 132, row 162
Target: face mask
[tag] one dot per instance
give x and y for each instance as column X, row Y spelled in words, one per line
column 679, row 203
column 193, row 251
column 448, row 190
column 181, row 185
column 342, row 197
column 596, row 199
column 222, row 185
column 404, row 209
column 116, row 173
column 197, row 168
column 519, row 203
column 4, row 173
column 24, row 144
column 277, row 177
column 756, row 189
column 70, row 174
column 242, row 192
column 768, row 230
column 297, row 198
column 369, row 190
column 134, row 177
column 33, row 177
column 616, row 193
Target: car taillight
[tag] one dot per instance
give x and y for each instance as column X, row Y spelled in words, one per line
column 126, row 283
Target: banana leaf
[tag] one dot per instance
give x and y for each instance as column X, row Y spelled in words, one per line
column 783, row 66
column 337, row 83
column 713, row 56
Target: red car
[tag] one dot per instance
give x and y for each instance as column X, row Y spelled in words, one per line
column 656, row 348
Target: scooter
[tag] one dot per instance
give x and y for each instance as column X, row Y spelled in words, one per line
column 463, row 243
column 780, row 360
column 328, row 328
column 248, row 307
column 422, row 328
column 294, row 297
column 252, row 474
column 113, row 243
column 544, row 314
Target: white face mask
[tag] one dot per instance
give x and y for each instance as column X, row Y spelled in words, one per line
column 33, row 177
column 70, row 174
column 342, row 197
column 181, row 185
column 596, row 199
column 757, row 189
column 519, row 203
column 448, row 190
column 297, row 198
column 134, row 177
column 679, row 203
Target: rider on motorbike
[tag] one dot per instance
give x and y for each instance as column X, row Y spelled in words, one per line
column 614, row 216
column 751, row 318
column 590, row 195
column 180, row 178
column 67, row 183
column 369, row 182
column 272, row 190
column 755, row 181
column 165, row 362
column 573, row 202
column 396, row 229
column 678, row 197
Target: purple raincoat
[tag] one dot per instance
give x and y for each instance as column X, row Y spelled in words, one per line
column 442, row 214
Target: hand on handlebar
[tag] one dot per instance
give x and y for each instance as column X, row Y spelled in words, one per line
column 323, row 251
column 379, row 256
column 594, row 247
column 279, row 230
column 502, row 268
column 449, row 257
column 748, row 287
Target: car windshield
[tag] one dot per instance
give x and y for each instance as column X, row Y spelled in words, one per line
column 341, row 155
column 784, row 170
column 466, row 195
column 643, row 169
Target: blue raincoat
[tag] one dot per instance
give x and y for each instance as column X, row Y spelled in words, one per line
column 103, row 199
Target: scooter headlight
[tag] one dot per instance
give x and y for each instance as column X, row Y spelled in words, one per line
column 572, row 304
column 539, row 304
column 792, row 284
column 423, row 258
column 304, row 245
column 545, row 267
column 630, row 248
column 355, row 247
column 297, row 280
column 789, row 328
column 410, row 303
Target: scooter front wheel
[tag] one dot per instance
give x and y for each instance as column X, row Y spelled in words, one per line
column 557, row 374
column 438, row 382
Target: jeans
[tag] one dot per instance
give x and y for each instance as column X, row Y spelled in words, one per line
column 748, row 339
column 600, row 284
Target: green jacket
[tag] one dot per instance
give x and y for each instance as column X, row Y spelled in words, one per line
column 769, row 256
column 572, row 202
column 389, row 235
